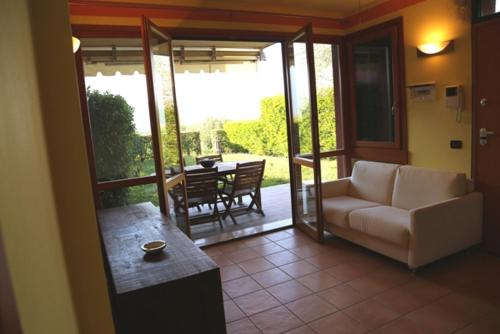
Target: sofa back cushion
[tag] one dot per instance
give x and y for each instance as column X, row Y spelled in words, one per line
column 416, row 187
column 373, row 181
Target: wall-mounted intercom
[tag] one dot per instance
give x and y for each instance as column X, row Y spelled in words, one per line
column 454, row 99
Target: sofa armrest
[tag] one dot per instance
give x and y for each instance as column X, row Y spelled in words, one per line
column 335, row 188
column 444, row 228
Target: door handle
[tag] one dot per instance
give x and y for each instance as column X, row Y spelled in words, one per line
column 483, row 136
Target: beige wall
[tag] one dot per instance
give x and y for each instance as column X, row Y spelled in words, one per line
column 430, row 125
column 46, row 209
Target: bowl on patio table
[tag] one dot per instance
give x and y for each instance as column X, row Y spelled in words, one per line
column 207, row 163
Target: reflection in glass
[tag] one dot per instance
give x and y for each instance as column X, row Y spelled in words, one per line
column 329, row 169
column 176, row 208
column 301, row 99
column 164, row 95
column 306, row 197
column 323, row 64
column 487, row 7
column 373, row 90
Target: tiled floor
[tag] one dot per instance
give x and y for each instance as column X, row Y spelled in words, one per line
column 285, row 283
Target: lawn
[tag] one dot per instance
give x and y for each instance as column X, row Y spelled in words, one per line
column 276, row 172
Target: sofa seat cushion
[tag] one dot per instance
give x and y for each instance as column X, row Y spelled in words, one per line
column 417, row 187
column 336, row 209
column 383, row 222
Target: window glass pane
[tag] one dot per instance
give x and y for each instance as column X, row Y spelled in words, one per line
column 164, row 94
column 118, row 108
column 176, row 209
column 306, row 195
column 301, row 99
column 126, row 196
column 323, row 63
column 329, row 169
column 488, row 7
column 373, row 90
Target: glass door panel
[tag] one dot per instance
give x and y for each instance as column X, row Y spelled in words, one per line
column 159, row 64
column 325, row 94
column 303, row 117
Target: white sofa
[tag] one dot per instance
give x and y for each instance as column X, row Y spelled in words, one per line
column 414, row 215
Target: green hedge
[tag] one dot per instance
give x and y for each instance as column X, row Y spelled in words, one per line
column 268, row 134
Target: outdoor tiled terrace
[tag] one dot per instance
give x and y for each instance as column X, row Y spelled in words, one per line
column 286, row 283
column 276, row 204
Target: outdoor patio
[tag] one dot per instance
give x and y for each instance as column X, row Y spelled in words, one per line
column 276, row 204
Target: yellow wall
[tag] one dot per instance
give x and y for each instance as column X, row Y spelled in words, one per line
column 430, row 125
column 46, row 209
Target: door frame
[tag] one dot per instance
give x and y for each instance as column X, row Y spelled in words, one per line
column 315, row 162
column 476, row 110
column 475, row 93
column 146, row 35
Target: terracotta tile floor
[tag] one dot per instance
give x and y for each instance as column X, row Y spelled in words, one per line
column 286, row 283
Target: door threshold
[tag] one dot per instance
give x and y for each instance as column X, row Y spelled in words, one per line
column 243, row 233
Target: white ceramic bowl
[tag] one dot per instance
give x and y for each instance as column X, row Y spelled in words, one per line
column 153, row 247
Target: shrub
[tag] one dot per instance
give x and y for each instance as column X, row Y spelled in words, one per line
column 113, row 133
column 247, row 135
column 268, row 134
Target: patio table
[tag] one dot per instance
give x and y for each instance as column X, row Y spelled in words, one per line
column 223, row 168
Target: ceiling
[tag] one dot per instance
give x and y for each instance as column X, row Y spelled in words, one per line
column 319, row 8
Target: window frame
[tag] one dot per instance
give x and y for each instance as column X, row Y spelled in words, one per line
column 397, row 150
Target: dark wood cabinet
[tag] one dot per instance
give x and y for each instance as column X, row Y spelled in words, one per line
column 177, row 291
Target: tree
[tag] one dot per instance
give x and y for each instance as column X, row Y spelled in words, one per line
column 191, row 142
column 113, row 131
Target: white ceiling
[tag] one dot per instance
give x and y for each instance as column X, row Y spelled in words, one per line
column 321, row 8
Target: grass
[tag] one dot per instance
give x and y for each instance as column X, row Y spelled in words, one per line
column 276, row 172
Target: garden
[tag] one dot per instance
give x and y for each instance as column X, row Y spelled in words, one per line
column 120, row 152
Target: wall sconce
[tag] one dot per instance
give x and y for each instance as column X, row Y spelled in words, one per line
column 76, row 43
column 431, row 49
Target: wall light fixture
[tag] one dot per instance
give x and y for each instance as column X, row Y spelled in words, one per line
column 430, row 49
column 76, row 43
